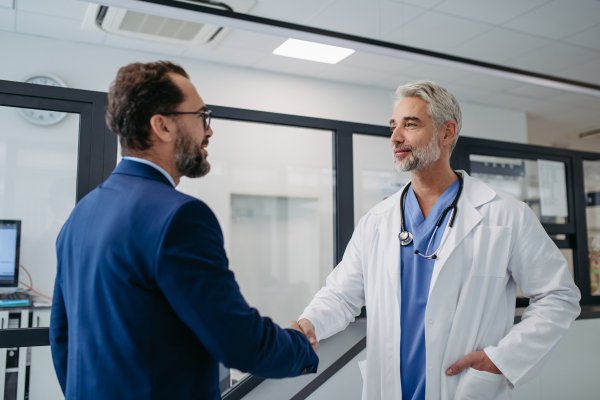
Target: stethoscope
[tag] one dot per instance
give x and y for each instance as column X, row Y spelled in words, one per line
column 406, row 237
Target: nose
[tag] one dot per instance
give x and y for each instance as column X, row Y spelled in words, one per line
column 397, row 136
column 208, row 133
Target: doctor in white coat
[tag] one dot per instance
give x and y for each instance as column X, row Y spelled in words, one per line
column 440, row 323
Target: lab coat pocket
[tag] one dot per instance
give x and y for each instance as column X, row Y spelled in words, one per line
column 490, row 250
column 478, row 385
column 363, row 369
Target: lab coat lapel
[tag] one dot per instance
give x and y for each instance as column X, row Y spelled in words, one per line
column 475, row 194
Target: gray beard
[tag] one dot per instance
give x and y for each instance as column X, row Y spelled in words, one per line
column 189, row 159
column 421, row 158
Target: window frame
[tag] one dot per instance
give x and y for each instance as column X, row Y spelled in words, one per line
column 98, row 154
column 576, row 228
column 96, row 158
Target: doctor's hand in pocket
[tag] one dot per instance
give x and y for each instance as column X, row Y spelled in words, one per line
column 477, row 360
column 308, row 329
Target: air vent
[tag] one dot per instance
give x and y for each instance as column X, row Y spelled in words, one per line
column 147, row 24
column 154, row 27
column 159, row 29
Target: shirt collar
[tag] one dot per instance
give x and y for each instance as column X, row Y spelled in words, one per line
column 150, row 163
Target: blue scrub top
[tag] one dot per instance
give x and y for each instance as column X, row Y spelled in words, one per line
column 415, row 278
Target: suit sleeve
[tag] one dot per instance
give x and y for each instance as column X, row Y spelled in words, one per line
column 541, row 271
column 338, row 303
column 192, row 271
column 59, row 333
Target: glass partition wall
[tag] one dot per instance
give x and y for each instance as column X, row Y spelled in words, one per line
column 553, row 183
column 374, row 176
column 38, row 182
column 272, row 190
column 52, row 145
column 591, row 176
column 280, row 186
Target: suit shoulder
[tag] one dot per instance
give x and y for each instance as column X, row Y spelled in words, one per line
column 193, row 204
column 174, row 199
column 190, row 210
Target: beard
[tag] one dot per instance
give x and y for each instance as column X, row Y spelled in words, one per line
column 420, row 158
column 189, row 158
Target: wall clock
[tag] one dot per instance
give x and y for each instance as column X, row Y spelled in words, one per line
column 43, row 117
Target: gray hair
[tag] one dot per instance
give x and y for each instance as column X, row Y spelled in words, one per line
column 442, row 106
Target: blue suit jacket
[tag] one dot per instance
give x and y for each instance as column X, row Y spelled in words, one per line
column 144, row 303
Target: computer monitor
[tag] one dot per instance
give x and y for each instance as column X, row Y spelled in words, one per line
column 10, row 244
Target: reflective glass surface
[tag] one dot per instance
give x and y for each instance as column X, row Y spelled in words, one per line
column 272, row 190
column 374, row 176
column 591, row 181
column 540, row 184
column 38, row 176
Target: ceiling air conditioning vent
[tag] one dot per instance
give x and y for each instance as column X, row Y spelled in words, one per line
column 159, row 29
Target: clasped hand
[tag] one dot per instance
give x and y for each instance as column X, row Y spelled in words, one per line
column 306, row 327
column 477, row 360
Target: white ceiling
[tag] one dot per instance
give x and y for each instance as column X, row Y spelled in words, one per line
column 556, row 37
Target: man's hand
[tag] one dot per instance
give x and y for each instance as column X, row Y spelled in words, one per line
column 477, row 360
column 307, row 328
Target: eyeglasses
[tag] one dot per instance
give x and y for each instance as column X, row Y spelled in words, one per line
column 206, row 115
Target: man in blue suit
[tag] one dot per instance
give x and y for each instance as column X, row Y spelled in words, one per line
column 144, row 305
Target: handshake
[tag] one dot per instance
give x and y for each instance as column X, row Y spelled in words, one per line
column 306, row 327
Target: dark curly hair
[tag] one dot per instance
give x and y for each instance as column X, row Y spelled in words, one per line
column 140, row 91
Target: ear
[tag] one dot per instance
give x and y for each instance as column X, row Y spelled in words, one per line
column 448, row 133
column 163, row 128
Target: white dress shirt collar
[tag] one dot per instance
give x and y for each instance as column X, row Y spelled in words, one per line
column 150, row 163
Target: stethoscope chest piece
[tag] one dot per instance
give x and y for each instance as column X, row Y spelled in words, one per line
column 405, row 237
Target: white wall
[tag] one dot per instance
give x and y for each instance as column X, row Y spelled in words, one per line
column 91, row 67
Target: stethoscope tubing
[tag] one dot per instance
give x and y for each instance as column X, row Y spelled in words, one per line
column 453, row 206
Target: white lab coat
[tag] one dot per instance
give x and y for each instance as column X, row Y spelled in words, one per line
column 496, row 243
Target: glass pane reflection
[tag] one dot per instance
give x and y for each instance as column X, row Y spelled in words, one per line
column 591, row 181
column 272, row 190
column 521, row 178
column 38, row 182
column 38, row 177
column 374, row 176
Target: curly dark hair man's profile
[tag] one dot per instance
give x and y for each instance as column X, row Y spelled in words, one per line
column 140, row 91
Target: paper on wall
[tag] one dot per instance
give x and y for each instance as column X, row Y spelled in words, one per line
column 553, row 188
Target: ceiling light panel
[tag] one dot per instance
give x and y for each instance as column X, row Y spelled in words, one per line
column 312, row 51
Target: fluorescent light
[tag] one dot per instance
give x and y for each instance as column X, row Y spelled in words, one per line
column 312, row 51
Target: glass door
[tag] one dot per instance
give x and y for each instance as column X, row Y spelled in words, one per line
column 374, row 176
column 52, row 144
column 272, row 190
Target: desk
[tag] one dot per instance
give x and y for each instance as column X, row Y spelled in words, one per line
column 28, row 373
